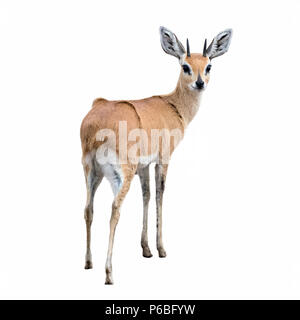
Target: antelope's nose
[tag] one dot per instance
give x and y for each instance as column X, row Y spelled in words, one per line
column 199, row 83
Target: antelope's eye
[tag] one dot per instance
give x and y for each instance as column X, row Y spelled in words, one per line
column 208, row 69
column 186, row 69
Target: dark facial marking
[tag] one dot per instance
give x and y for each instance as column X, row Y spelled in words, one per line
column 208, row 69
column 186, row 69
column 199, row 83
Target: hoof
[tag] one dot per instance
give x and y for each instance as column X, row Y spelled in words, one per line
column 162, row 253
column 109, row 280
column 147, row 253
column 88, row 265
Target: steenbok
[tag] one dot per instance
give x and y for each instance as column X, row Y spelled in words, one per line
column 121, row 138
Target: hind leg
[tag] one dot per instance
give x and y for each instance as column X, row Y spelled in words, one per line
column 93, row 179
column 144, row 178
column 123, row 181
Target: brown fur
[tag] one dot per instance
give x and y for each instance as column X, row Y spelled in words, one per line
column 172, row 111
column 198, row 64
column 150, row 113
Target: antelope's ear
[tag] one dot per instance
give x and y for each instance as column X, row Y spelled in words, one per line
column 220, row 44
column 170, row 43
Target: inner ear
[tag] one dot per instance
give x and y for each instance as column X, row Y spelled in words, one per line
column 220, row 44
column 170, row 44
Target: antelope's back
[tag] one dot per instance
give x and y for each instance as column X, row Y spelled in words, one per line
column 149, row 113
column 105, row 115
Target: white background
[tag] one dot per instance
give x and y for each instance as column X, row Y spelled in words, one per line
column 231, row 205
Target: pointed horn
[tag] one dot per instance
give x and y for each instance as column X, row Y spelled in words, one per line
column 188, row 53
column 204, row 48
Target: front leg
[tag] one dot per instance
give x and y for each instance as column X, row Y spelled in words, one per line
column 160, row 179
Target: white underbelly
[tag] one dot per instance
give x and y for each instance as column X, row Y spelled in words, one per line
column 144, row 161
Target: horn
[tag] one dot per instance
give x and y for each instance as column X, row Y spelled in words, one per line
column 188, row 53
column 204, row 48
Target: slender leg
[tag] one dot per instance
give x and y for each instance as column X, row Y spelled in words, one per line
column 128, row 174
column 144, row 178
column 92, row 182
column 160, row 178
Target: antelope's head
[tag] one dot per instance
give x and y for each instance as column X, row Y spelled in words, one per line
column 196, row 67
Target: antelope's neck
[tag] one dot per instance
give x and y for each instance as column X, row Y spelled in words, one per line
column 186, row 101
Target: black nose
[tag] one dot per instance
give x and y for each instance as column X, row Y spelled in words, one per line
column 200, row 84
